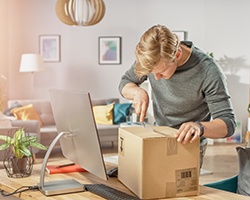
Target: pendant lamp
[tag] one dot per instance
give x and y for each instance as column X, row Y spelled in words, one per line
column 80, row 12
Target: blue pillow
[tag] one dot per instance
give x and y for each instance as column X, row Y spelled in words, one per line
column 121, row 111
column 229, row 184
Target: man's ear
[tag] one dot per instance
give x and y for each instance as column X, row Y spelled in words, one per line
column 178, row 54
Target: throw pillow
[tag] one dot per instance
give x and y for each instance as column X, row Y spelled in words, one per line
column 14, row 105
column 27, row 112
column 103, row 114
column 121, row 111
column 244, row 171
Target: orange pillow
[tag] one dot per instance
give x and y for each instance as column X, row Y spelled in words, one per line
column 27, row 112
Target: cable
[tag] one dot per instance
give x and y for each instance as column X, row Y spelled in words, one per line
column 19, row 190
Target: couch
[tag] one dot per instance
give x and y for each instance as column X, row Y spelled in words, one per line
column 108, row 133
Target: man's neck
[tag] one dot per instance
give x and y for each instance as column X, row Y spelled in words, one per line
column 186, row 53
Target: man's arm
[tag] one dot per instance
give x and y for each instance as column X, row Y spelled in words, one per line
column 139, row 96
column 191, row 131
column 220, row 106
column 129, row 89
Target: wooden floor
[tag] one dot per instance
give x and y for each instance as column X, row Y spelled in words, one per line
column 221, row 159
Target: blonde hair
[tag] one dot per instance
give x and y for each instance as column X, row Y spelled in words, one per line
column 156, row 44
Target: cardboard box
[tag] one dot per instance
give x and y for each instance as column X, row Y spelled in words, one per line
column 152, row 164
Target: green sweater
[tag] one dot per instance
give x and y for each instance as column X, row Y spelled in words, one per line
column 196, row 92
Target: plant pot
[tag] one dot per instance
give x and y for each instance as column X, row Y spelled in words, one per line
column 18, row 156
column 18, row 167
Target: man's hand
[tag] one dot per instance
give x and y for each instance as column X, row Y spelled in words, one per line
column 188, row 132
column 139, row 97
column 140, row 103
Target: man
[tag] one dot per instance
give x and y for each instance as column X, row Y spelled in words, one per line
column 189, row 90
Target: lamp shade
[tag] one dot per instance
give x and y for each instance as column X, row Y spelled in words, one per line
column 80, row 12
column 31, row 63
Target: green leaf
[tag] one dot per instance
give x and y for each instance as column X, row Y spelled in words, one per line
column 5, row 138
column 38, row 145
column 29, row 139
column 20, row 142
column 19, row 134
column 4, row 146
column 24, row 150
column 17, row 152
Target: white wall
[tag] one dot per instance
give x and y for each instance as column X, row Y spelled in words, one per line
column 215, row 26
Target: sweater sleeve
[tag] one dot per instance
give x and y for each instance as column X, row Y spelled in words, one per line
column 130, row 77
column 218, row 99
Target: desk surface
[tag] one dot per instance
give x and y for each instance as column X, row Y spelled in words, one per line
column 10, row 184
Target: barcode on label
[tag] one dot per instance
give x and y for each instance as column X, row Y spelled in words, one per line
column 186, row 174
column 187, row 180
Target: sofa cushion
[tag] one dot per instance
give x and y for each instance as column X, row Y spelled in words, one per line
column 121, row 111
column 48, row 129
column 27, row 112
column 103, row 114
column 108, row 133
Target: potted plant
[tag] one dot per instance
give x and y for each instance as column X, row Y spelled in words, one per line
column 18, row 159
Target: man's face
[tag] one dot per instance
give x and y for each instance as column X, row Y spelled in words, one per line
column 164, row 70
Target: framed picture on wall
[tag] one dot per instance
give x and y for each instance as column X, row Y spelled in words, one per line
column 181, row 34
column 109, row 50
column 49, row 48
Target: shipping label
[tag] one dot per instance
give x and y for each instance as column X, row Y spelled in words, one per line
column 186, row 180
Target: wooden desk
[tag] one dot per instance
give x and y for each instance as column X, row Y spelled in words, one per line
column 10, row 184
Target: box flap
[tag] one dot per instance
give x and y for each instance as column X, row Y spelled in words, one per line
column 151, row 131
column 165, row 130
